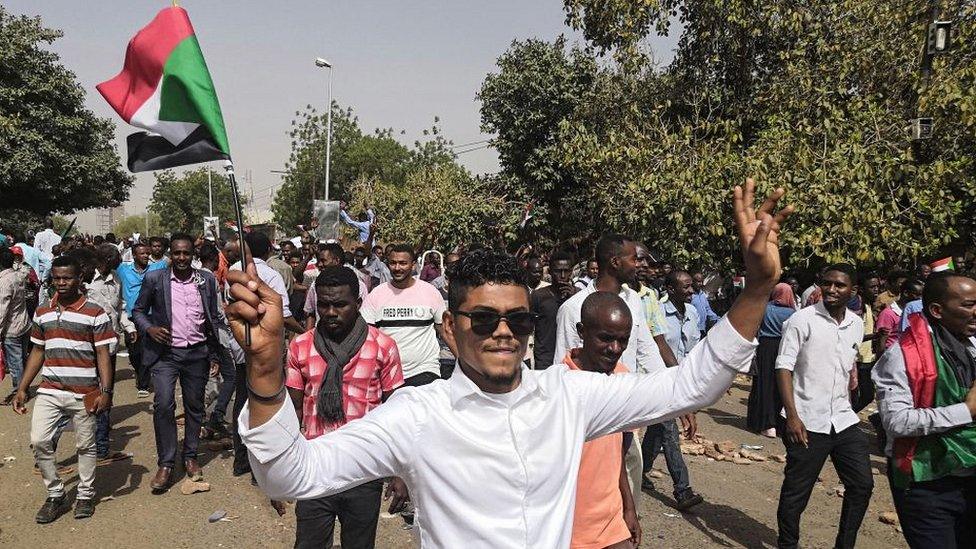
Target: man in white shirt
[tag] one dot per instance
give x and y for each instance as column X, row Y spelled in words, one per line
column 491, row 456
column 616, row 256
column 46, row 240
column 815, row 373
column 260, row 246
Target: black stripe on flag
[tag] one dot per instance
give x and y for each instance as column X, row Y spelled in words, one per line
column 153, row 152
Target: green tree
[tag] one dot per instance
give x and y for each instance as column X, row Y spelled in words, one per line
column 55, row 155
column 440, row 206
column 181, row 201
column 811, row 96
column 355, row 155
column 137, row 224
column 537, row 89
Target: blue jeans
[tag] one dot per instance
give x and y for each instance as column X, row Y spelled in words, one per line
column 228, row 377
column 665, row 436
column 13, row 357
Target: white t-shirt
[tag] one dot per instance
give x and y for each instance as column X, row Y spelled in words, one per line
column 408, row 316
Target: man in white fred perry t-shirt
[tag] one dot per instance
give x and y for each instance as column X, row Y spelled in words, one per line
column 410, row 311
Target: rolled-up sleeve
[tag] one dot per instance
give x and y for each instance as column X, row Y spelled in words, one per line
column 789, row 345
column 287, row 466
column 899, row 416
column 626, row 401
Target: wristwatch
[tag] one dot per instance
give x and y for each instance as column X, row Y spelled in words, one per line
column 106, row 390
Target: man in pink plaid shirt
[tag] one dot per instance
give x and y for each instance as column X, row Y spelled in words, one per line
column 326, row 398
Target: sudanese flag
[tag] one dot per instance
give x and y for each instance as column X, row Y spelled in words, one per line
column 166, row 89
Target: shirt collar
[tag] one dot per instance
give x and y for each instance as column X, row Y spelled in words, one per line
column 76, row 306
column 822, row 311
column 463, row 388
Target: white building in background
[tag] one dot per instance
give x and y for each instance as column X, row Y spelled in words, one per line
column 106, row 218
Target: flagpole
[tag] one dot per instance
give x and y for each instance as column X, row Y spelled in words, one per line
column 210, row 189
column 240, row 236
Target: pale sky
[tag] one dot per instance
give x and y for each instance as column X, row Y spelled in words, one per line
column 398, row 64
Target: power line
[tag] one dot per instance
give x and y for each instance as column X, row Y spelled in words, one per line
column 472, row 149
column 462, row 145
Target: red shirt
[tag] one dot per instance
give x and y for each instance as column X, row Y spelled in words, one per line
column 375, row 370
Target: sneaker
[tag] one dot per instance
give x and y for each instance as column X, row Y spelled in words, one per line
column 142, row 393
column 647, row 484
column 687, row 499
column 84, row 508
column 51, row 510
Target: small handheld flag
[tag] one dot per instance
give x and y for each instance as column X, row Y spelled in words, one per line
column 944, row 264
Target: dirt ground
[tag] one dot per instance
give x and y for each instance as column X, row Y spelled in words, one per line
column 739, row 508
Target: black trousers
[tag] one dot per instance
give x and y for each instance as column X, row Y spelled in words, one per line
column 848, row 450
column 191, row 367
column 358, row 511
column 938, row 513
column 143, row 376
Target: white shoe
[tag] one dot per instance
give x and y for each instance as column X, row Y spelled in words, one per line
column 142, row 393
column 771, row 432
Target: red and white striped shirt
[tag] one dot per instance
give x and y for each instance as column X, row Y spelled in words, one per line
column 375, row 370
column 69, row 336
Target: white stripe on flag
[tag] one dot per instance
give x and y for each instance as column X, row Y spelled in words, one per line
column 147, row 117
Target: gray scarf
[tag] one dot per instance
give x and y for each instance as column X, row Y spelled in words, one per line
column 336, row 354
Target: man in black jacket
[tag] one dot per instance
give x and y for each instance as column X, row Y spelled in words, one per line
column 176, row 315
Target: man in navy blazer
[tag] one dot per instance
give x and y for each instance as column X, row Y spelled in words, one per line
column 177, row 317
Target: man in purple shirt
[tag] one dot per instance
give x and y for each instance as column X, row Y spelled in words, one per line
column 177, row 317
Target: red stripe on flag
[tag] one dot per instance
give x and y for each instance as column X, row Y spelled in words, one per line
column 144, row 61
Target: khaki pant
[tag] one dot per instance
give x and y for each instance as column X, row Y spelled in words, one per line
column 48, row 411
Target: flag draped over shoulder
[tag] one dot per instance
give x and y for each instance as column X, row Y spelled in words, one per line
column 166, row 89
column 933, row 384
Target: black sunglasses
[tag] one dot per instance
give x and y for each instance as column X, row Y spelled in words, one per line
column 484, row 323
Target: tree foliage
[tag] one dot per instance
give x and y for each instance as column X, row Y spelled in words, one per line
column 812, row 96
column 137, row 224
column 439, row 205
column 356, row 155
column 538, row 87
column 181, row 201
column 55, row 155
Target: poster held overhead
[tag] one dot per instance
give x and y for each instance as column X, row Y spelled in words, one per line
column 327, row 214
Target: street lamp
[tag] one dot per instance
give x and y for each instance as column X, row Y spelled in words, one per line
column 322, row 63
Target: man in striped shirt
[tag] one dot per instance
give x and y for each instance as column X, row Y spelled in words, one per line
column 71, row 339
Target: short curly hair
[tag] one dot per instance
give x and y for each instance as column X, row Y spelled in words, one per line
column 479, row 268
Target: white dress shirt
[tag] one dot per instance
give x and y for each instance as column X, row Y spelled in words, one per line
column 821, row 353
column 641, row 355
column 46, row 240
column 492, row 471
column 272, row 278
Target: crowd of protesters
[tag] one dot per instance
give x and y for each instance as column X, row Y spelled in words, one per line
column 69, row 306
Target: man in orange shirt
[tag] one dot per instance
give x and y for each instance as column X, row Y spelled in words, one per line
column 605, row 515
